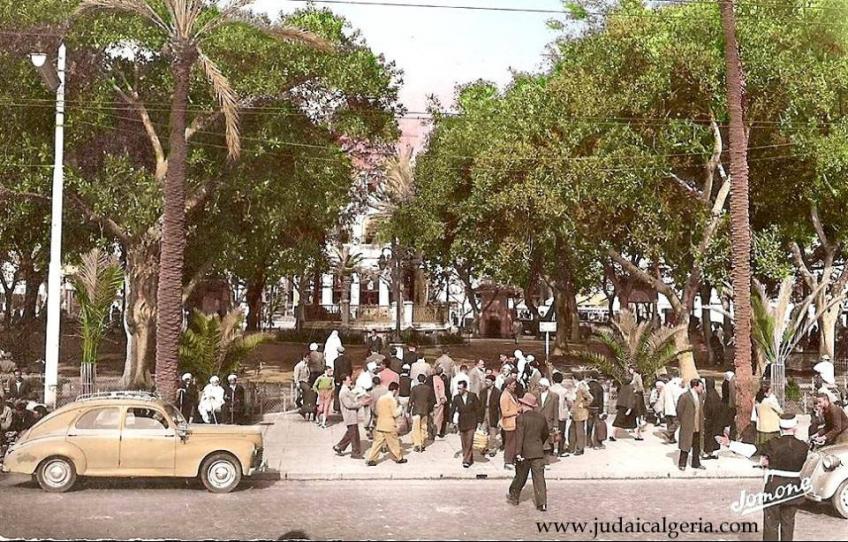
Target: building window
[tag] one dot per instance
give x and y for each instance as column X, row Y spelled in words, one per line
column 369, row 291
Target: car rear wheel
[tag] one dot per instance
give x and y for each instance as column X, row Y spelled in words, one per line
column 840, row 499
column 220, row 473
column 56, row 475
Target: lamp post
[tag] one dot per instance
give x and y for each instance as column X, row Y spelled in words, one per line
column 390, row 255
column 54, row 79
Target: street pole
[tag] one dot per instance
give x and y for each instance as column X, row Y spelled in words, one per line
column 54, row 278
column 398, row 303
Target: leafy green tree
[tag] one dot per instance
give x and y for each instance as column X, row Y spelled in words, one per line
column 184, row 27
column 118, row 111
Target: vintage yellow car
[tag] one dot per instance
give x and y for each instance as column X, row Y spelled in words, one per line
column 132, row 434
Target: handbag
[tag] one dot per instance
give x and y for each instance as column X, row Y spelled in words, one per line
column 481, row 440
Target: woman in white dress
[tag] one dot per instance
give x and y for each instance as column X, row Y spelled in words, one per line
column 331, row 349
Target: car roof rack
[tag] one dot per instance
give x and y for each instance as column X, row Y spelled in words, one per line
column 119, row 394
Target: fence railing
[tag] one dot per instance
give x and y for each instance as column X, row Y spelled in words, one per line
column 260, row 397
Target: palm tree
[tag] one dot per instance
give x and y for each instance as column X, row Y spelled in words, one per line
column 740, row 227
column 96, row 282
column 776, row 329
column 344, row 265
column 634, row 344
column 396, row 190
column 186, row 24
column 217, row 346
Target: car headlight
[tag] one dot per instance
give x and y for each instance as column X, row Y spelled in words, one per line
column 830, row 462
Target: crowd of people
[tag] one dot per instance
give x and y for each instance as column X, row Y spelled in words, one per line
column 400, row 392
column 18, row 409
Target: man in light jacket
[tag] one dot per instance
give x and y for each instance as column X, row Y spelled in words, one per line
column 350, row 405
column 386, row 432
column 671, row 394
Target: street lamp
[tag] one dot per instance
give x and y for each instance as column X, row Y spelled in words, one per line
column 54, row 79
column 389, row 255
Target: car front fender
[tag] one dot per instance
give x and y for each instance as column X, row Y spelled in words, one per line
column 26, row 456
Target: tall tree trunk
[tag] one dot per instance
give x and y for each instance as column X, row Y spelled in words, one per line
column 32, row 283
column 170, row 291
column 686, row 361
column 740, row 227
column 564, row 320
column 142, row 265
column 827, row 329
column 255, row 287
column 707, row 321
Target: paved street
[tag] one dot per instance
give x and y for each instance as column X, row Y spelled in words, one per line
column 460, row 509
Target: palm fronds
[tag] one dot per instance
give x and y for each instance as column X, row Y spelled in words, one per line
column 398, row 185
column 227, row 100
column 217, row 346
column 96, row 282
column 633, row 344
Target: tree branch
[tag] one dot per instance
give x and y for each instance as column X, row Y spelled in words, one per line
column 798, row 257
column 817, row 224
column 714, row 162
column 643, row 276
column 133, row 99
column 113, row 227
column 198, row 276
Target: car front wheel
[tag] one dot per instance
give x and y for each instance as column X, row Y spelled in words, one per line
column 840, row 499
column 220, row 473
column 56, row 475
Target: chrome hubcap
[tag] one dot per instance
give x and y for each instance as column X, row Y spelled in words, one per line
column 57, row 473
column 222, row 474
column 845, row 498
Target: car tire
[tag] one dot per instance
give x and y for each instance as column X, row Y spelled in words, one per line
column 840, row 499
column 56, row 474
column 220, row 473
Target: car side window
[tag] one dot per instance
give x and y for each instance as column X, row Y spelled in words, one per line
column 145, row 418
column 100, row 418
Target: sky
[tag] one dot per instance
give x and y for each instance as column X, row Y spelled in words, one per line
column 440, row 48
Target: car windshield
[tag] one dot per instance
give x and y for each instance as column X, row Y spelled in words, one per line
column 175, row 414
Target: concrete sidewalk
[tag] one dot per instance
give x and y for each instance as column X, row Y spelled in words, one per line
column 300, row 450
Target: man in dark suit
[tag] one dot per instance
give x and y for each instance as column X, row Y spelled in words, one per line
column 411, row 354
column 596, row 427
column 490, row 405
column 341, row 369
column 531, row 433
column 421, row 401
column 18, row 387
column 548, row 402
column 690, row 413
column 465, row 412
column 234, row 400
column 375, row 343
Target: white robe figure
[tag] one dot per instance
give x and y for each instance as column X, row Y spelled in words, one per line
column 211, row 401
column 331, row 349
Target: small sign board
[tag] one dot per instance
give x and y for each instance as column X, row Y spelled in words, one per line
column 547, row 327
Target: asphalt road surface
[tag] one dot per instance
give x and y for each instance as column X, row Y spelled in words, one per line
column 455, row 509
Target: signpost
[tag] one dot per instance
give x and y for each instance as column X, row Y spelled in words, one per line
column 547, row 328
